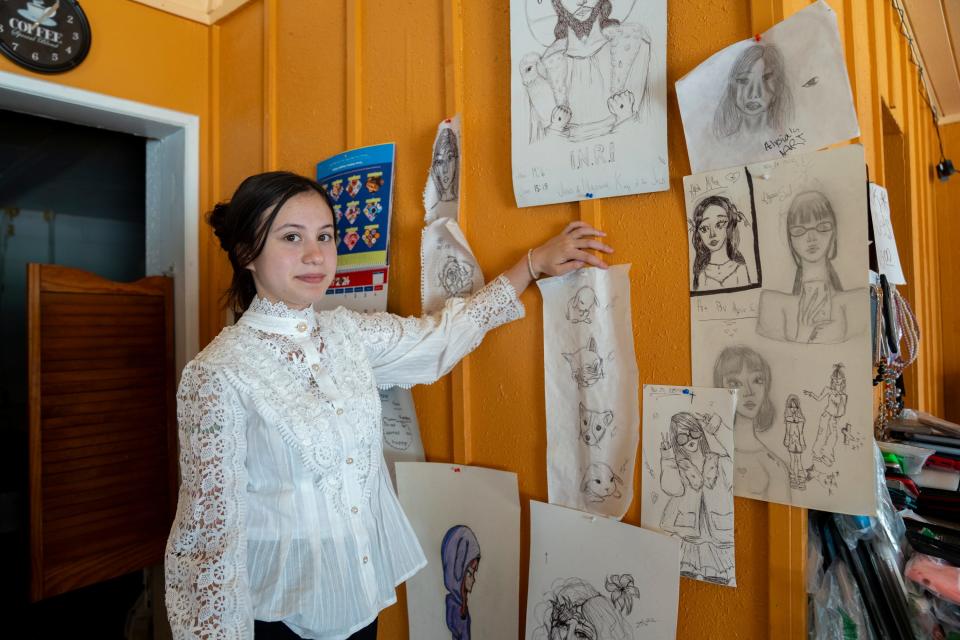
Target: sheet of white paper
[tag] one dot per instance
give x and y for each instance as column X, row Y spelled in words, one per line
column 798, row 347
column 591, row 383
column 588, row 99
column 448, row 267
column 468, row 522
column 688, row 476
column 888, row 259
column 753, row 101
column 401, row 430
column 441, row 195
column 599, row 578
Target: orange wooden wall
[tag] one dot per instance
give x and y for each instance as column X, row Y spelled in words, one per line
column 948, row 218
column 285, row 83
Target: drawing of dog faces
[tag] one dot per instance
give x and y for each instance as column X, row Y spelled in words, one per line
column 581, row 305
column 586, row 365
column 600, row 483
column 594, row 425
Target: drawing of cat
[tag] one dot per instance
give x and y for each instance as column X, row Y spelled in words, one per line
column 594, row 425
column 586, row 365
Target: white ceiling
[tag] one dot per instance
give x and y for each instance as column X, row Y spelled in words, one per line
column 202, row 11
column 936, row 28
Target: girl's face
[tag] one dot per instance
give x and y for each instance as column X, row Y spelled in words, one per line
column 752, row 389
column 575, row 629
column 713, row 227
column 299, row 258
column 754, row 89
column 470, row 576
column 581, row 9
column 445, row 166
column 812, row 240
column 689, row 439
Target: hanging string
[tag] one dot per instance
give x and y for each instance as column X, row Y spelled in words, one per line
column 914, row 59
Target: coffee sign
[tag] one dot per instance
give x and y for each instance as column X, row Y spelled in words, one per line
column 46, row 36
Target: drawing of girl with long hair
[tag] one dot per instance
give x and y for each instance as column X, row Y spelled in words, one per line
column 794, row 442
column 460, row 553
column 445, row 168
column 697, row 473
column 575, row 610
column 717, row 263
column 757, row 99
column 816, row 309
column 760, row 473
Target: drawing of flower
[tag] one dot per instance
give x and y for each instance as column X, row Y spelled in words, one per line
column 622, row 591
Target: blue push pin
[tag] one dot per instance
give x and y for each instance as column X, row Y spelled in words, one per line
column 686, row 392
column 589, row 195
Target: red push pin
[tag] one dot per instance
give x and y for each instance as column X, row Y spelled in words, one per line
column 447, row 121
column 757, row 37
column 456, row 469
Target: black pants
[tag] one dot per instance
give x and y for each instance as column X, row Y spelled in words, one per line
column 279, row 631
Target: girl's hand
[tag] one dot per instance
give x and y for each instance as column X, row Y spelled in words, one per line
column 666, row 447
column 568, row 251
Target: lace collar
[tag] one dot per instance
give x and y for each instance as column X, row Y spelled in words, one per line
column 277, row 317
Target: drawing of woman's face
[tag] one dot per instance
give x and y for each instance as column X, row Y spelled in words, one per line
column 812, row 241
column 574, row 629
column 754, row 89
column 713, row 227
column 689, row 439
column 752, row 389
column 470, row 575
column 580, row 9
column 445, row 167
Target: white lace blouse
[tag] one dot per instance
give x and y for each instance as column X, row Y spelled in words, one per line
column 286, row 511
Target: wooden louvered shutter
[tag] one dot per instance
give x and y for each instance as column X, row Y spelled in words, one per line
column 103, row 468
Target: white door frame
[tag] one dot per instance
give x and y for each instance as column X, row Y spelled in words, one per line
column 173, row 180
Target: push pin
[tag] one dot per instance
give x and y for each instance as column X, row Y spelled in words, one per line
column 756, row 37
column 589, row 195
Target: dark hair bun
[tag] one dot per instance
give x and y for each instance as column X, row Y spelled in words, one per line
column 218, row 220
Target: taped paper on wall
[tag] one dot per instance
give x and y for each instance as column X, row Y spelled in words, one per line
column 786, row 93
column 467, row 520
column 591, row 386
column 588, row 99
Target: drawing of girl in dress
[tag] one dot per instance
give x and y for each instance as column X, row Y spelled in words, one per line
column 760, row 474
column 718, row 263
column 816, row 310
column 460, row 553
column 577, row 611
column 829, row 430
column 757, row 102
column 793, row 440
column 697, row 473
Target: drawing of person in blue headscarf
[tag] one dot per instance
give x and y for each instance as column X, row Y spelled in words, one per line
column 460, row 553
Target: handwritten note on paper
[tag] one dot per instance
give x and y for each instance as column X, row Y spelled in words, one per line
column 888, row 259
column 401, row 430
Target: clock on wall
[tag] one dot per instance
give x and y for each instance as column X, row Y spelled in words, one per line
column 46, row 36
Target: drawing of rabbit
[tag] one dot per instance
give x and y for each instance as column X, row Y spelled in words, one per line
column 600, row 483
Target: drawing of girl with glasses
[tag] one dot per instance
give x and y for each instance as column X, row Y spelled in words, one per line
column 696, row 471
column 816, row 310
